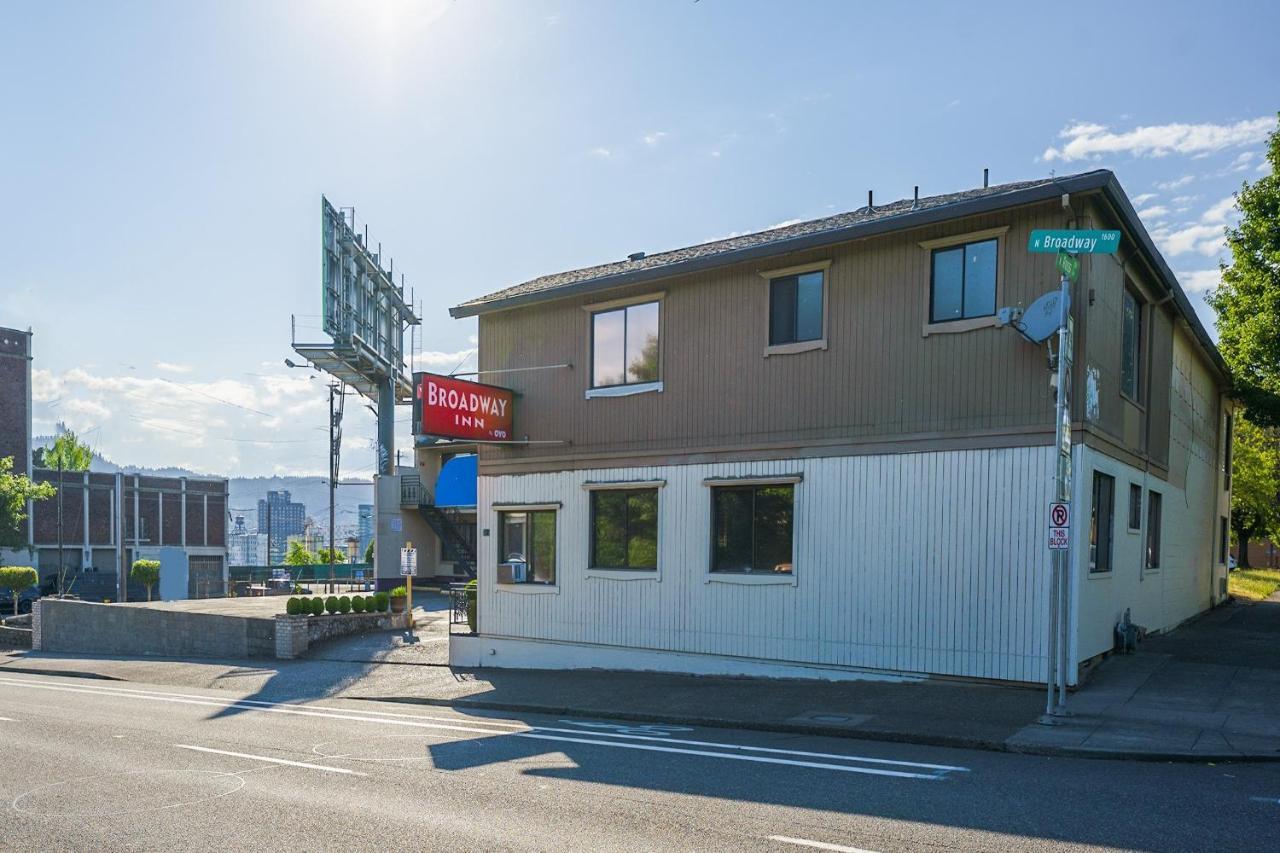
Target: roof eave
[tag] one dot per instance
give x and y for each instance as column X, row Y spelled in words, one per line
column 910, row 219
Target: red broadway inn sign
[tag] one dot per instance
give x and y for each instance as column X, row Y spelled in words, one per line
column 454, row 408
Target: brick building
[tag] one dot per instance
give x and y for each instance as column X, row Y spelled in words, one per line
column 15, row 398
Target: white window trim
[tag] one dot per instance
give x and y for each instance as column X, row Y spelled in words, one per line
column 625, row 390
column 754, row 480
column 751, row 579
column 797, row 346
column 539, row 507
column 625, row 574
column 529, row 588
column 966, row 324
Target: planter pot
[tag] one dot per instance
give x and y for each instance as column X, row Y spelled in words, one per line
column 398, row 603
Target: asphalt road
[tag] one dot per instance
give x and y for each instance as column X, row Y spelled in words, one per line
column 88, row 764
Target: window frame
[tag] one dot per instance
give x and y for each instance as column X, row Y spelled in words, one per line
column 1131, row 291
column 932, row 327
column 752, row 577
column 1135, row 493
column 626, row 491
column 624, row 389
column 1224, row 539
column 1228, row 437
column 771, row 275
column 1095, row 530
column 530, row 585
column 1153, row 542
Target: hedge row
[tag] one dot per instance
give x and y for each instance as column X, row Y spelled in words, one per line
column 303, row 606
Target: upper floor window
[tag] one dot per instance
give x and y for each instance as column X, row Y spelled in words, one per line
column 1131, row 346
column 964, row 282
column 624, row 345
column 795, row 308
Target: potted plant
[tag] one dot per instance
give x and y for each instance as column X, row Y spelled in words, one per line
column 399, row 597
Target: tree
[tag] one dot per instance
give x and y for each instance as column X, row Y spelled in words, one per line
column 15, row 491
column 16, row 580
column 1255, row 485
column 147, row 573
column 67, row 453
column 322, row 556
column 299, row 555
column 368, row 552
column 1248, row 299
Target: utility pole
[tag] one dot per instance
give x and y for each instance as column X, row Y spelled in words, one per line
column 335, row 451
column 62, row 569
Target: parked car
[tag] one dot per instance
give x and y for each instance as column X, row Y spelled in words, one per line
column 25, row 599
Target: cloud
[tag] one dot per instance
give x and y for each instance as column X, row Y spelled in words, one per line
column 1208, row 240
column 1088, row 141
column 1176, row 183
column 440, row 360
column 170, row 367
column 1143, row 198
column 1242, row 162
column 654, row 137
column 1156, row 211
column 601, row 153
column 1200, row 282
column 1220, row 211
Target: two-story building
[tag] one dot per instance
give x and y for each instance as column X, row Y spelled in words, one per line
column 814, row 451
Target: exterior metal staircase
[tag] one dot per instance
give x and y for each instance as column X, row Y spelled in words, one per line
column 442, row 521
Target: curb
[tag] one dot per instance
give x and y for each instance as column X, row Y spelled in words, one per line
column 63, row 673
column 949, row 741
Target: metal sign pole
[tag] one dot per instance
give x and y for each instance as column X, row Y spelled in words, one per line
column 1059, row 625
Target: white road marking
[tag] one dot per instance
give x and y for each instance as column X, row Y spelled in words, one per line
column 1272, row 800
column 267, row 758
column 8, row 720
column 536, row 733
column 818, row 845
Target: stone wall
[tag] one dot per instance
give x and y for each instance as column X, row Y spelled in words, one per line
column 295, row 634
column 85, row 627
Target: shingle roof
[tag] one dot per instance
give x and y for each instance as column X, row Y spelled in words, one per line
column 906, row 213
column 726, row 250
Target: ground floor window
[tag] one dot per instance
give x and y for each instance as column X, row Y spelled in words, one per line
column 624, row 529
column 1153, row 530
column 752, row 528
column 1224, row 539
column 527, row 540
column 1101, row 521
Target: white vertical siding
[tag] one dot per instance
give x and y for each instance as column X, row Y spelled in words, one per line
column 924, row 562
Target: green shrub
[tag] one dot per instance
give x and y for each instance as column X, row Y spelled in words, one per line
column 344, row 604
column 331, row 604
column 399, row 591
column 357, row 603
column 294, row 606
column 317, row 606
column 370, row 604
column 381, row 601
column 471, row 605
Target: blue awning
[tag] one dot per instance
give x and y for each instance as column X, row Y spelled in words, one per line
column 456, row 485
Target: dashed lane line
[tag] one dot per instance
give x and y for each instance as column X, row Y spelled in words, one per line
column 268, row 758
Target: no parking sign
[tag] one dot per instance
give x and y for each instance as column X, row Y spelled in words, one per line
column 1059, row 525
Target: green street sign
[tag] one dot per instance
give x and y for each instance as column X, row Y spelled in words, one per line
column 1068, row 265
column 1075, row 242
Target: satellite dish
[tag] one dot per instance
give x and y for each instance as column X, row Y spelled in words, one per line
column 1043, row 318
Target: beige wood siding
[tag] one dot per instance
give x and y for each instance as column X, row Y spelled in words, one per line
column 879, row 382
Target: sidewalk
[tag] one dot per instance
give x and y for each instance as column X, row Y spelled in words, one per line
column 1208, row 692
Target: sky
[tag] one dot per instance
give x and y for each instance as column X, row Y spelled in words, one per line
column 162, row 165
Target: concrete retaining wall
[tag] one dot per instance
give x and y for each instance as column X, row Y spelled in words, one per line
column 85, row 627
column 295, row 634
column 14, row 638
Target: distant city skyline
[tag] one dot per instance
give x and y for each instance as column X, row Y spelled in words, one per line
column 165, row 188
